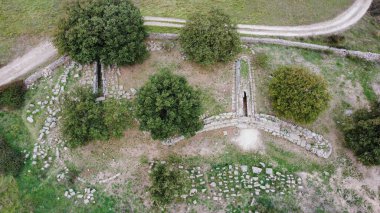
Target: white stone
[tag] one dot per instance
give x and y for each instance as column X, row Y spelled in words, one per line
column 269, row 171
column 30, row 119
column 244, row 168
column 256, row 170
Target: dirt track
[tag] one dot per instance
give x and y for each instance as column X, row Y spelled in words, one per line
column 27, row 63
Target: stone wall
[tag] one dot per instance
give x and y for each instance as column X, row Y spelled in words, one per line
column 369, row 56
column 45, row 72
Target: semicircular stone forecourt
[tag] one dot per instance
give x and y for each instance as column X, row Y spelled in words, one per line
column 340, row 23
column 243, row 115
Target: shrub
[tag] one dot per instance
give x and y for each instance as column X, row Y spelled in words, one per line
column 117, row 116
column 166, row 184
column 11, row 159
column 210, row 37
column 85, row 119
column 13, row 95
column 9, row 194
column 82, row 118
column 168, row 106
column 109, row 31
column 362, row 135
column 298, row 94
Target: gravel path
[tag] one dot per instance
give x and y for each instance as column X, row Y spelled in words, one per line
column 42, row 53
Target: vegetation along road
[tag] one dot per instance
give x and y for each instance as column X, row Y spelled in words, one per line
column 45, row 51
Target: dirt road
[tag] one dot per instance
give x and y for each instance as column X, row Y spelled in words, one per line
column 27, row 63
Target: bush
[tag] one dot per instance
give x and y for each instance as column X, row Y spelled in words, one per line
column 11, row 159
column 85, row 119
column 210, row 37
column 362, row 135
column 168, row 106
column 112, row 33
column 166, row 184
column 117, row 116
column 336, row 40
column 9, row 194
column 13, row 95
column 298, row 94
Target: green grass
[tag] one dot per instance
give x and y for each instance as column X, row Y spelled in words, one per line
column 364, row 36
column 244, row 69
column 13, row 129
column 23, row 23
column 275, row 12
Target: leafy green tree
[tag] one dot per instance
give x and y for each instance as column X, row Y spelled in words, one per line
column 298, row 94
column 12, row 95
column 166, row 184
column 9, row 194
column 168, row 106
column 106, row 31
column 210, row 37
column 85, row 119
column 362, row 135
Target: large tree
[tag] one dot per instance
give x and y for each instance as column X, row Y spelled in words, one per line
column 362, row 134
column 298, row 94
column 210, row 37
column 168, row 106
column 106, row 31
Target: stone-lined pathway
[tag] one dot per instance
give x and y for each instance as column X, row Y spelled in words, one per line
column 300, row 136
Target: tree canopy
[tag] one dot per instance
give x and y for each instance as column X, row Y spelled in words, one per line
column 85, row 119
column 362, row 135
column 109, row 31
column 168, row 106
column 210, row 37
column 298, row 94
column 166, row 184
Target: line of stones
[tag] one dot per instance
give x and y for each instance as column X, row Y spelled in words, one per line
column 368, row 56
column 312, row 142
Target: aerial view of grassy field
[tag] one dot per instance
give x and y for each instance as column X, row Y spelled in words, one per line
column 25, row 23
column 104, row 111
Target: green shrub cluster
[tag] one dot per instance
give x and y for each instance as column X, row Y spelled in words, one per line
column 362, row 135
column 85, row 119
column 168, row 106
column 210, row 37
column 11, row 159
column 13, row 95
column 298, row 94
column 167, row 184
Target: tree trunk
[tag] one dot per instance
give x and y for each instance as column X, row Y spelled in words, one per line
column 100, row 77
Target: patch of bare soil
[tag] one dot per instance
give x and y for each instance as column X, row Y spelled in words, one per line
column 353, row 93
column 127, row 158
column 249, row 140
column 216, row 79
